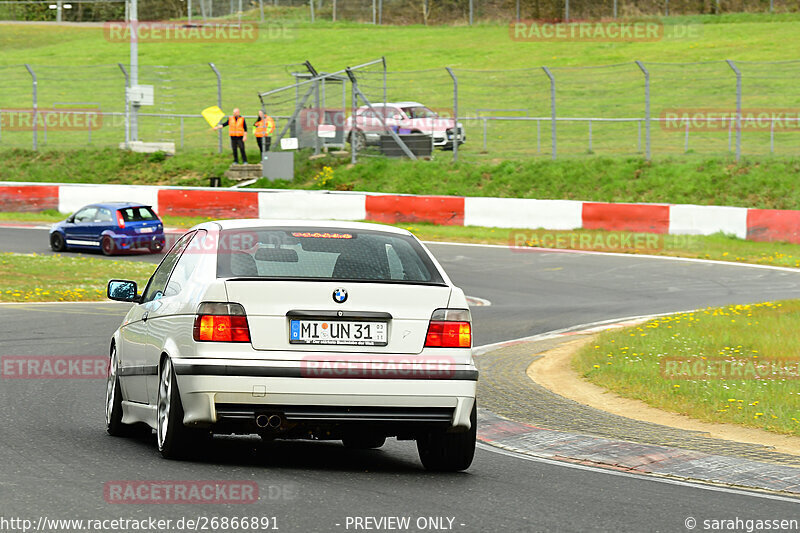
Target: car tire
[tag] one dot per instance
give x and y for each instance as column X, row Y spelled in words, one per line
column 114, row 425
column 449, row 452
column 363, row 442
column 360, row 140
column 57, row 243
column 107, row 245
column 171, row 434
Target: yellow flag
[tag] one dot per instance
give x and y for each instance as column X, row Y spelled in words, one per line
column 213, row 115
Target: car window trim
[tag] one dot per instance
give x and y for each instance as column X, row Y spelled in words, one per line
column 171, row 272
column 338, row 280
column 194, row 232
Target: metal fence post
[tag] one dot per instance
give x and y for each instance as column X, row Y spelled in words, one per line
column 566, row 10
column 380, row 12
column 615, row 8
column 35, row 106
column 383, row 59
column 318, row 119
column 455, row 113
column 311, row 6
column 666, row 8
column 353, row 105
column 374, row 12
column 471, row 11
column 552, row 108
column 334, row 10
column 219, row 102
column 738, row 107
column 517, row 10
column 133, row 13
column 646, row 108
column 127, row 107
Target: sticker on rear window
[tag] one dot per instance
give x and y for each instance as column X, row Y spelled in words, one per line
column 326, row 235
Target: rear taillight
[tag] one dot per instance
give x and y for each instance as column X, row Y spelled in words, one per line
column 120, row 220
column 221, row 322
column 449, row 328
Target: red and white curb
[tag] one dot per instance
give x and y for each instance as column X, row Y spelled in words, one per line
column 521, row 213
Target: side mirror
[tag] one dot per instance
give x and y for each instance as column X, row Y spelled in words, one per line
column 71, row 219
column 122, row 291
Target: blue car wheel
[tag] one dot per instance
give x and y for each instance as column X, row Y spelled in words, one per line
column 57, row 242
column 108, row 246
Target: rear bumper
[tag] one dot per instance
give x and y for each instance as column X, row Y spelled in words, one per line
column 145, row 240
column 219, row 391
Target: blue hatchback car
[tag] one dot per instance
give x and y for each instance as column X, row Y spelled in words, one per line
column 111, row 228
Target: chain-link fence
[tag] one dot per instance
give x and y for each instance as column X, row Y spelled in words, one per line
column 628, row 109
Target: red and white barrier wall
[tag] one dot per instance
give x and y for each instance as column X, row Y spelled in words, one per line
column 752, row 224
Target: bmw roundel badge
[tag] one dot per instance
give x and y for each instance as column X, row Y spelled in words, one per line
column 340, row 296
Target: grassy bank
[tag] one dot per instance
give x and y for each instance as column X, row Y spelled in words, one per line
column 79, row 64
column 737, row 364
column 762, row 182
column 63, row 278
column 746, row 36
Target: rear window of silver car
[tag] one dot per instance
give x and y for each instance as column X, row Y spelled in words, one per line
column 323, row 254
column 136, row 214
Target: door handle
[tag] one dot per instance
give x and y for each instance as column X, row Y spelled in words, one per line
column 144, row 316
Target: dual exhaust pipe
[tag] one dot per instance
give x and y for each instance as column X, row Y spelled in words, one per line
column 268, row 421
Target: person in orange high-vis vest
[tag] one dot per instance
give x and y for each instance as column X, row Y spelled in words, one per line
column 237, row 130
column 263, row 127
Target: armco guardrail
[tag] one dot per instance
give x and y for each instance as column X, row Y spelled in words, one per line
column 522, row 213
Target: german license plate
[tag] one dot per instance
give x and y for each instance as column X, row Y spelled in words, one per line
column 146, row 230
column 353, row 333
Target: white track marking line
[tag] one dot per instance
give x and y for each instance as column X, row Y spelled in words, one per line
column 642, row 477
column 479, row 302
column 630, row 320
column 617, row 254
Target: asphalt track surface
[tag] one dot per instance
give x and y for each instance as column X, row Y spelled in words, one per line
column 55, row 456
